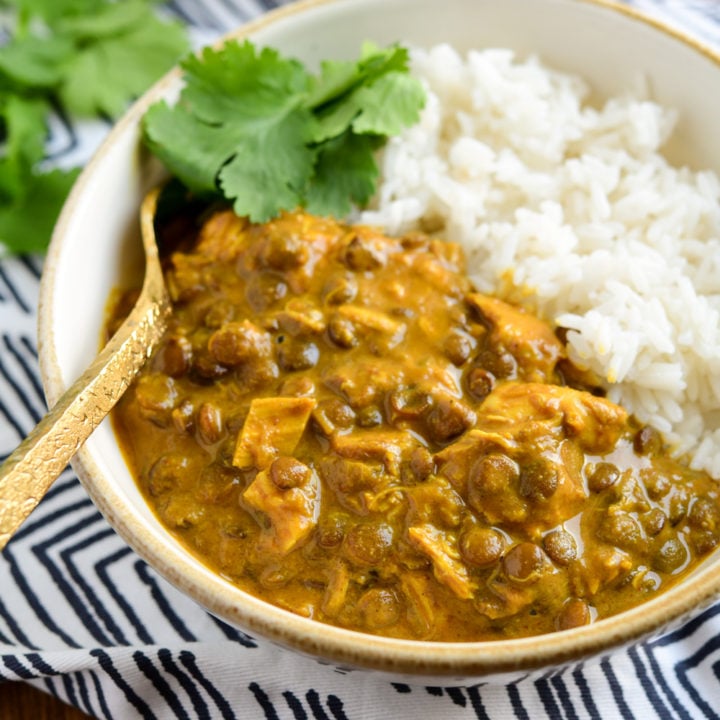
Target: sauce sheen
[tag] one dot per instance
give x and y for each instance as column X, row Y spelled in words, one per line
column 339, row 424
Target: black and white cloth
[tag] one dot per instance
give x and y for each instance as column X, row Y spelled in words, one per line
column 82, row 617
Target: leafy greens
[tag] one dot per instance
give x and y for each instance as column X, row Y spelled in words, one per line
column 78, row 57
column 263, row 132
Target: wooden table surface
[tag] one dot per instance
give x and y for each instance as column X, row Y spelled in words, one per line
column 20, row 701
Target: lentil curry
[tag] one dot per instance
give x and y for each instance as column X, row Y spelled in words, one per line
column 339, row 424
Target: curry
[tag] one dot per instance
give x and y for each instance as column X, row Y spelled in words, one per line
column 340, row 425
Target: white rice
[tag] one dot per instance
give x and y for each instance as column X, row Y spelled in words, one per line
column 574, row 211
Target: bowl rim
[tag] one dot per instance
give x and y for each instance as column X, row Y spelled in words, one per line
column 331, row 643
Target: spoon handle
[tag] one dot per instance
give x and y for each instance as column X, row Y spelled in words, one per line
column 29, row 471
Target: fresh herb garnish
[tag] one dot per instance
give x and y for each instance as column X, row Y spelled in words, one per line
column 263, row 132
column 76, row 57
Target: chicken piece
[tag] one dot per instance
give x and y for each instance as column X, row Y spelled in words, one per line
column 291, row 244
column 522, row 463
column 298, row 319
column 594, row 423
column 364, row 249
column 386, row 446
column 292, row 508
column 355, row 484
column 272, row 428
column 455, row 460
column 503, row 600
column 450, row 254
column 527, row 411
column 434, row 501
column 419, row 591
column 440, row 272
column 370, row 319
column 528, row 339
column 363, row 383
column 337, row 589
column 223, row 236
column 448, row 568
column 536, row 492
column 599, row 566
column 187, row 276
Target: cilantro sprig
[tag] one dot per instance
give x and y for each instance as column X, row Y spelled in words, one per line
column 80, row 58
column 260, row 130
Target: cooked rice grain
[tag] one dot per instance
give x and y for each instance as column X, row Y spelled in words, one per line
column 573, row 210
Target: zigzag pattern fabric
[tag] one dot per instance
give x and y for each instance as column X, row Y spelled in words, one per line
column 82, row 617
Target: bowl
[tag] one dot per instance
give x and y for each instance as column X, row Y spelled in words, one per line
column 95, row 247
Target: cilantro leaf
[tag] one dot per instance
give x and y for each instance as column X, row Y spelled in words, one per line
column 35, row 62
column 249, row 119
column 166, row 133
column 260, row 130
column 239, row 79
column 338, row 78
column 26, row 223
column 50, row 10
column 107, row 71
column 91, row 55
column 240, row 126
column 345, row 90
column 30, row 200
column 270, row 168
column 346, row 172
column 108, row 19
column 25, row 130
column 388, row 105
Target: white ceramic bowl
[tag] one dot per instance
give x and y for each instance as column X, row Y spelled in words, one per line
column 96, row 245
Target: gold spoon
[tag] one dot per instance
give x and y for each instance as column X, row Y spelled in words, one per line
column 29, row 471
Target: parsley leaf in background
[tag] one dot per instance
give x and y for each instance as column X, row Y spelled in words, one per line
column 79, row 57
column 260, row 130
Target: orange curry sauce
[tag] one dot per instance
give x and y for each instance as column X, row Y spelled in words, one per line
column 338, row 424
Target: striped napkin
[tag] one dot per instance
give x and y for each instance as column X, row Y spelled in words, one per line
column 84, row 618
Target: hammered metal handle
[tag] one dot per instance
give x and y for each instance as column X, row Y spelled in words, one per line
column 30, row 470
